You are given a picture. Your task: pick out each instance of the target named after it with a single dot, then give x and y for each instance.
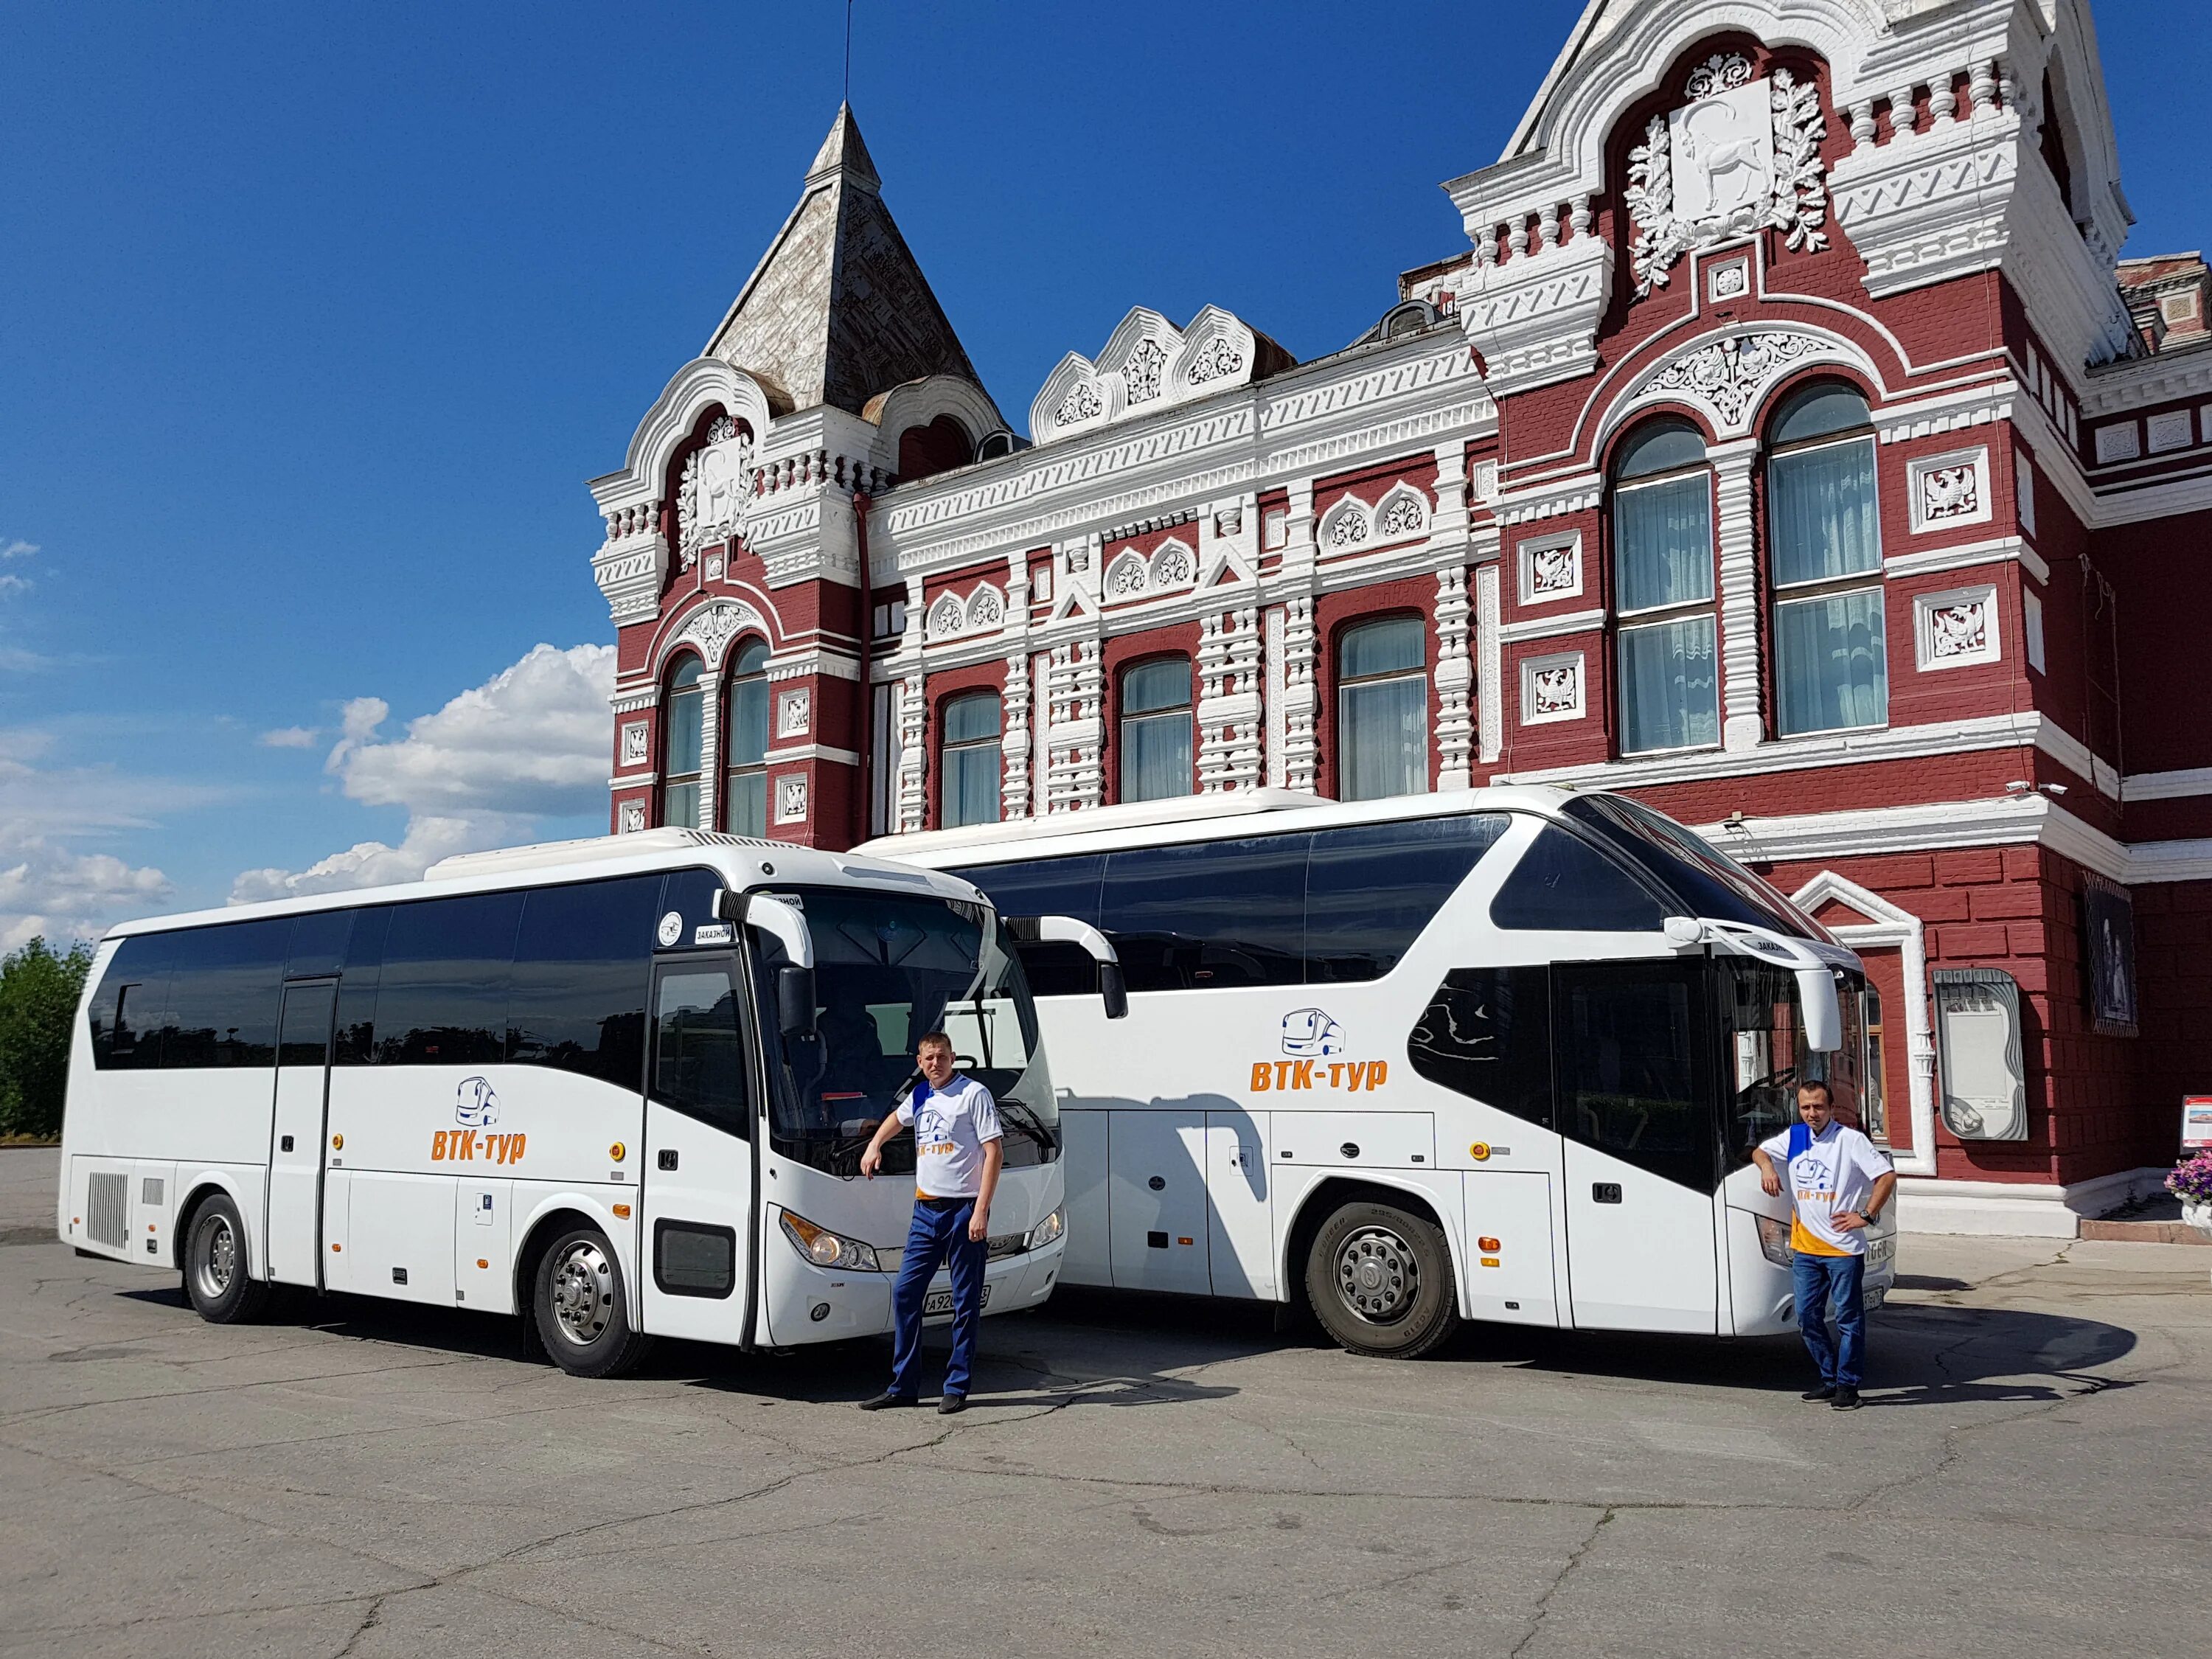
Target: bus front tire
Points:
(583, 1310)
(1380, 1281)
(216, 1278)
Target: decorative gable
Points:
(1149, 364)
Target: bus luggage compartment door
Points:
(1089, 1259)
(1240, 1232)
(1157, 1198)
(1509, 1245)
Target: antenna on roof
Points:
(849, 52)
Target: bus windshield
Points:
(1770, 1058)
(887, 969)
(1705, 882)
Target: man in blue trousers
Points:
(1838, 1184)
(956, 1171)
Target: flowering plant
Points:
(2191, 1182)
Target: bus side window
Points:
(447, 964)
(1208, 916)
(1486, 1034)
(1633, 1078)
(581, 960)
(126, 1010)
(222, 996)
(1048, 887)
(1371, 888)
(364, 967)
(1563, 885)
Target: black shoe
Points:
(1826, 1391)
(886, 1398)
(1846, 1400)
(951, 1403)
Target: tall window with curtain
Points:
(1156, 730)
(969, 791)
(682, 751)
(744, 742)
(1382, 709)
(1663, 551)
(1824, 547)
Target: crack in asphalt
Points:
(1543, 1607)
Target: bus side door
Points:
(1633, 1062)
(698, 1166)
(297, 1143)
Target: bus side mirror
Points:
(1066, 930)
(1824, 1011)
(794, 1000)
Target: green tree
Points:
(38, 991)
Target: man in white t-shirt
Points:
(956, 1172)
(1839, 1183)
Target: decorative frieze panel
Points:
(1551, 568)
(637, 743)
(1172, 568)
(1949, 490)
(1726, 379)
(1148, 364)
(712, 626)
(715, 497)
(1551, 688)
(632, 817)
(952, 617)
(790, 799)
(794, 712)
(1955, 630)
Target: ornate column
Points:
(710, 745)
(914, 754)
(1229, 748)
(1743, 723)
(1455, 679)
(1489, 664)
(1014, 785)
(1301, 696)
(1075, 684)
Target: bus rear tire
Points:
(583, 1309)
(217, 1277)
(1380, 1281)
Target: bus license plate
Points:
(940, 1302)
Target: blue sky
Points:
(317, 318)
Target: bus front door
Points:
(1633, 1065)
(698, 1165)
(293, 1222)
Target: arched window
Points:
(744, 742)
(1382, 709)
(969, 793)
(1156, 728)
(1662, 552)
(683, 714)
(1824, 548)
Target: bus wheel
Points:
(216, 1276)
(583, 1312)
(1380, 1281)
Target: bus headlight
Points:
(827, 1249)
(1047, 1232)
(1773, 1240)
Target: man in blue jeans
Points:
(1839, 1183)
(956, 1171)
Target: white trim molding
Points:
(2167, 786)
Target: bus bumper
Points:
(807, 1304)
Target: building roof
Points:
(837, 310)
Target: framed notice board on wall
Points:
(2108, 952)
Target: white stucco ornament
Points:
(1741, 155)
(715, 495)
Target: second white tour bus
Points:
(1499, 1054)
(621, 1086)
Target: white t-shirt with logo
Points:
(1836, 1171)
(951, 1127)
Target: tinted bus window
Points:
(689, 895)
(581, 960)
(1632, 1065)
(1486, 1034)
(355, 1043)
(1705, 882)
(1208, 916)
(1048, 887)
(318, 944)
(1563, 884)
(222, 995)
(441, 999)
(127, 1011)
(1371, 888)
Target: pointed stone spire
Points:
(837, 310)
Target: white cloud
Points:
(18, 549)
(12, 583)
(534, 741)
(291, 736)
(47, 885)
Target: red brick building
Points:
(1785, 445)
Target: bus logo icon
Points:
(1310, 1033)
(476, 1106)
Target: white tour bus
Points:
(1499, 1054)
(621, 1085)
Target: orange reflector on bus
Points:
(618, 1151)
(622, 1212)
(1186, 1241)
(1489, 1244)
(1479, 1152)
(1490, 1262)
(481, 1262)
(338, 1143)
(335, 1248)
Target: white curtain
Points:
(1832, 669)
(1156, 757)
(1820, 512)
(1663, 533)
(1670, 686)
(1382, 739)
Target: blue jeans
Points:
(1828, 1286)
(933, 1236)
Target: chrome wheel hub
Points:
(583, 1293)
(218, 1258)
(1376, 1276)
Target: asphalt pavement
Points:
(1143, 1477)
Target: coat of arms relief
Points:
(1741, 155)
(714, 496)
